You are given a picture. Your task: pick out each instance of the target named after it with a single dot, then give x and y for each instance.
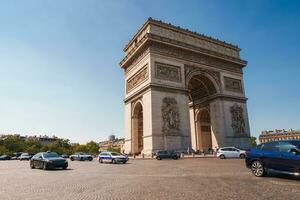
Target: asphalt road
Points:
(198, 178)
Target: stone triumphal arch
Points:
(183, 90)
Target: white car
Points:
(25, 156)
(230, 152)
(112, 157)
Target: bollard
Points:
(134, 155)
(193, 154)
(182, 155)
(143, 155)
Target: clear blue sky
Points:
(59, 70)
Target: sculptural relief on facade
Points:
(238, 121)
(232, 84)
(194, 57)
(167, 72)
(170, 115)
(137, 79)
(188, 69)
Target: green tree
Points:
(3, 150)
(253, 141)
(60, 146)
(92, 147)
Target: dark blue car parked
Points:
(277, 156)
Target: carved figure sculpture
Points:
(170, 115)
(238, 122)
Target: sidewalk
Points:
(186, 156)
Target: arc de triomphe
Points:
(183, 90)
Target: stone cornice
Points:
(200, 50)
(149, 39)
(181, 30)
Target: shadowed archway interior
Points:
(138, 143)
(200, 89)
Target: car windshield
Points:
(25, 154)
(296, 143)
(116, 154)
(50, 155)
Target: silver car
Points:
(25, 156)
(81, 156)
(230, 152)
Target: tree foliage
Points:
(253, 141)
(12, 143)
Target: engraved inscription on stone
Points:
(237, 117)
(167, 72)
(137, 79)
(170, 115)
(232, 84)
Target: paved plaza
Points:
(198, 178)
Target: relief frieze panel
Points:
(167, 72)
(234, 85)
(194, 57)
(237, 119)
(137, 79)
(170, 116)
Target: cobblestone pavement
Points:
(199, 178)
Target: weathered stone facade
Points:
(190, 96)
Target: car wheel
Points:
(124, 162)
(65, 167)
(32, 166)
(258, 169)
(158, 158)
(72, 159)
(45, 166)
(100, 160)
(90, 158)
(242, 156)
(222, 156)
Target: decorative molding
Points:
(170, 116)
(190, 70)
(167, 72)
(138, 57)
(137, 79)
(237, 120)
(177, 30)
(234, 85)
(191, 56)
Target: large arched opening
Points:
(202, 90)
(137, 122)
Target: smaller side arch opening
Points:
(203, 130)
(137, 129)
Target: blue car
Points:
(276, 156)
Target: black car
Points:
(276, 156)
(167, 154)
(48, 160)
(5, 157)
